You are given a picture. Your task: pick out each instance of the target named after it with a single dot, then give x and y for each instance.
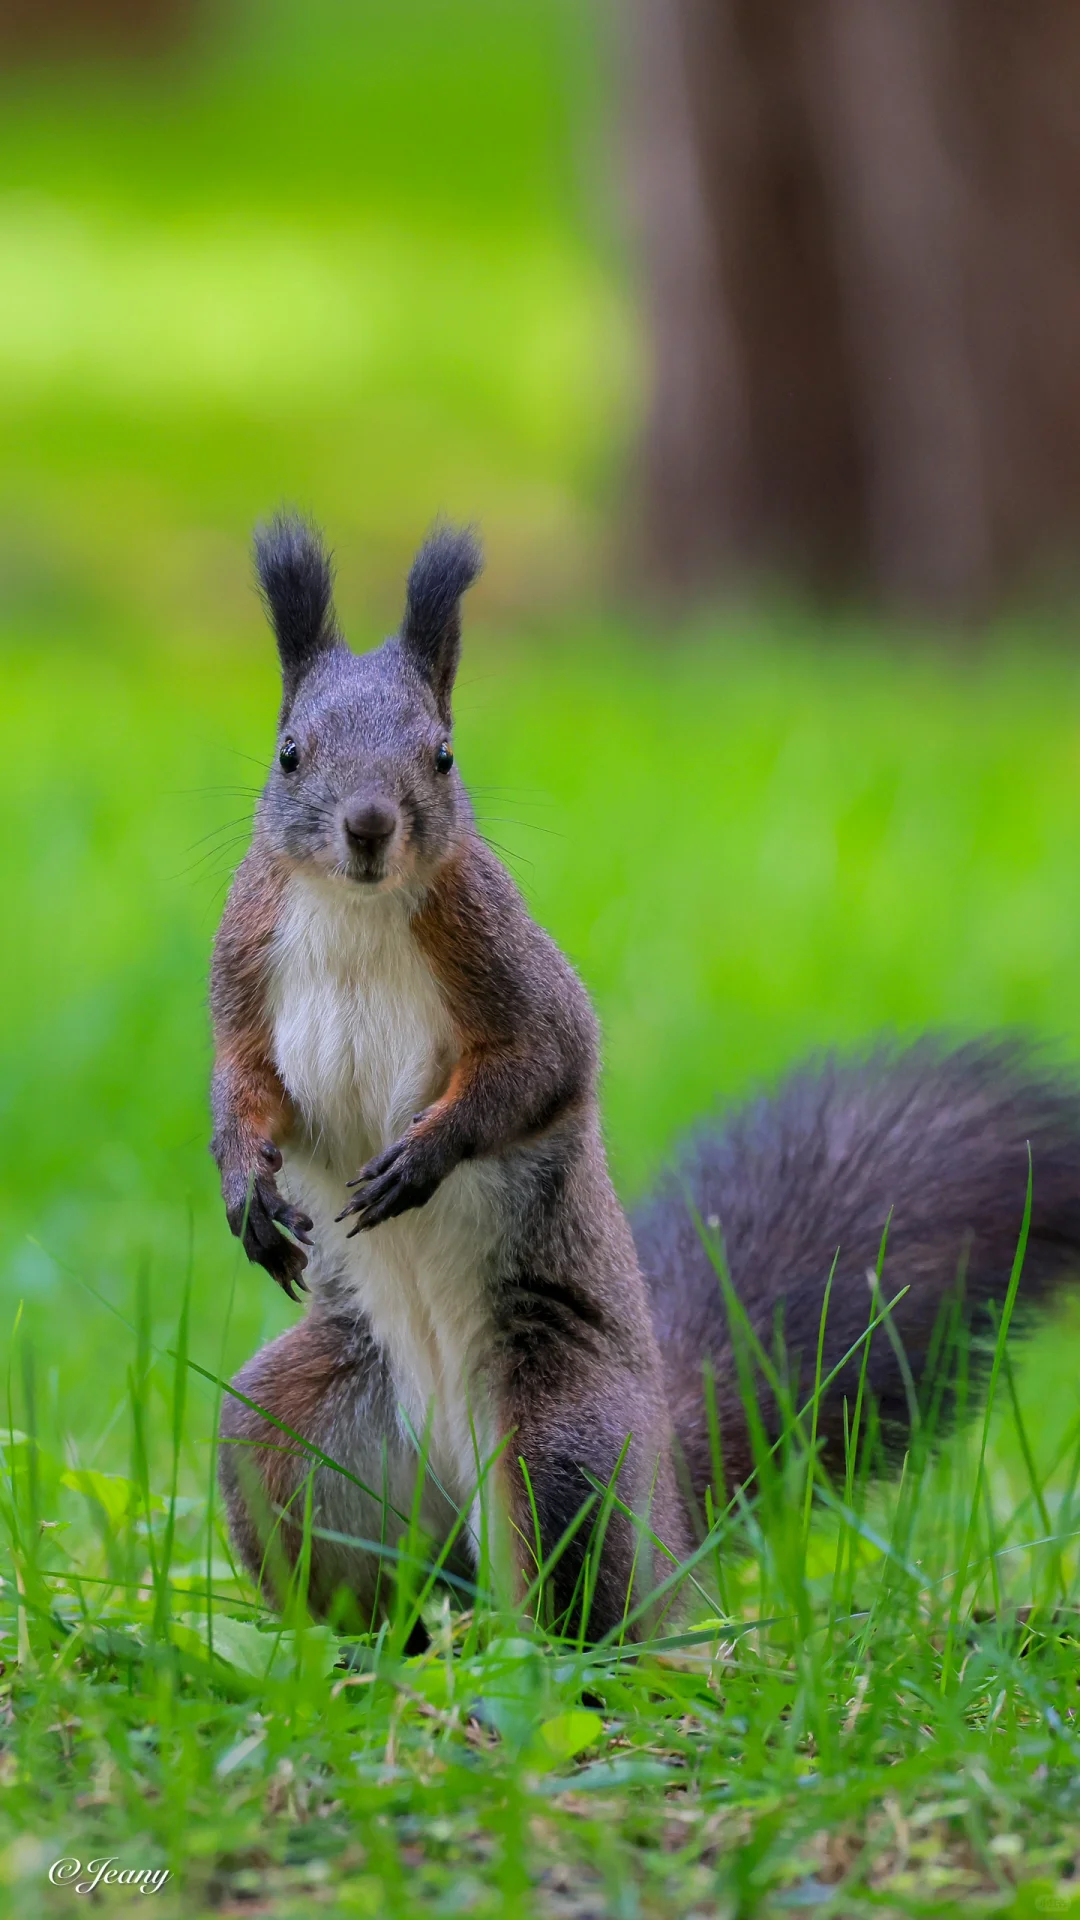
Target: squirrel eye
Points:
(289, 755)
(444, 759)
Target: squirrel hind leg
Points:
(324, 1383)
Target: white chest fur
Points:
(361, 1036)
(362, 1041)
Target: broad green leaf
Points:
(510, 1674)
(570, 1733)
(251, 1651)
(118, 1496)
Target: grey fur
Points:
(930, 1142)
(447, 564)
(296, 580)
(365, 726)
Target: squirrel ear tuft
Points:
(296, 581)
(446, 565)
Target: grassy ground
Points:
(348, 260)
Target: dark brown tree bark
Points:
(76, 29)
(861, 242)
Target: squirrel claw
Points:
(385, 1191)
(293, 1227)
(300, 1226)
(380, 1164)
(275, 1235)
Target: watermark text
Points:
(88, 1876)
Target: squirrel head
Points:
(363, 786)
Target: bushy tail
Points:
(933, 1143)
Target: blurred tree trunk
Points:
(861, 237)
(65, 29)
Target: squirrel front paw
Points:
(266, 1223)
(403, 1176)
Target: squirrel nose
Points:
(369, 822)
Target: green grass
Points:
(355, 256)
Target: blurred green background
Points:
(371, 259)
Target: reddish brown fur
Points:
(252, 1111)
(290, 1379)
(479, 944)
(298, 1379)
(579, 1368)
(251, 1095)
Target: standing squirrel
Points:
(406, 1125)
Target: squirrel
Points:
(407, 1126)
